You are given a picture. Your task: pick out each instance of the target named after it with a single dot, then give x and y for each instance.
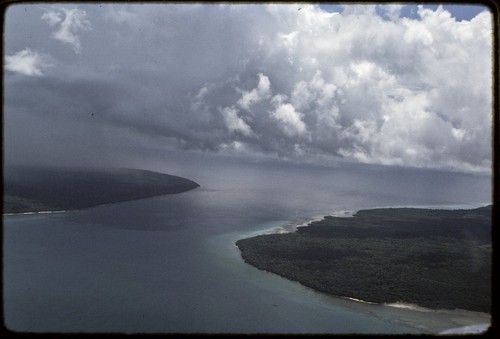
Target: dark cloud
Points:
(102, 83)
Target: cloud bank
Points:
(68, 23)
(26, 62)
(275, 80)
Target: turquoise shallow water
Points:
(169, 264)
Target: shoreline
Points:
(292, 226)
(84, 208)
(426, 320)
(432, 321)
(456, 207)
(35, 213)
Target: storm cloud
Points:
(94, 83)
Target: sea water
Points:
(169, 264)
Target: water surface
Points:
(169, 264)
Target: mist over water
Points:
(169, 264)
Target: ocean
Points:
(168, 264)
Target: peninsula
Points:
(35, 189)
(438, 259)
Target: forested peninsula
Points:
(35, 189)
(433, 258)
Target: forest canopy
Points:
(429, 257)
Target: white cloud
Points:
(359, 9)
(404, 91)
(75, 21)
(26, 62)
(392, 11)
(297, 83)
(120, 15)
(234, 123)
(289, 119)
(418, 33)
(262, 91)
(52, 18)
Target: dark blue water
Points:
(169, 264)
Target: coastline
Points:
(83, 208)
(34, 213)
(292, 226)
(431, 321)
(428, 320)
(43, 190)
(74, 209)
(77, 208)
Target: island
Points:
(433, 258)
(36, 189)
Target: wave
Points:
(471, 329)
(35, 212)
(360, 301)
(292, 226)
(408, 306)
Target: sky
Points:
(374, 84)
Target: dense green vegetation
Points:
(432, 258)
(31, 189)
